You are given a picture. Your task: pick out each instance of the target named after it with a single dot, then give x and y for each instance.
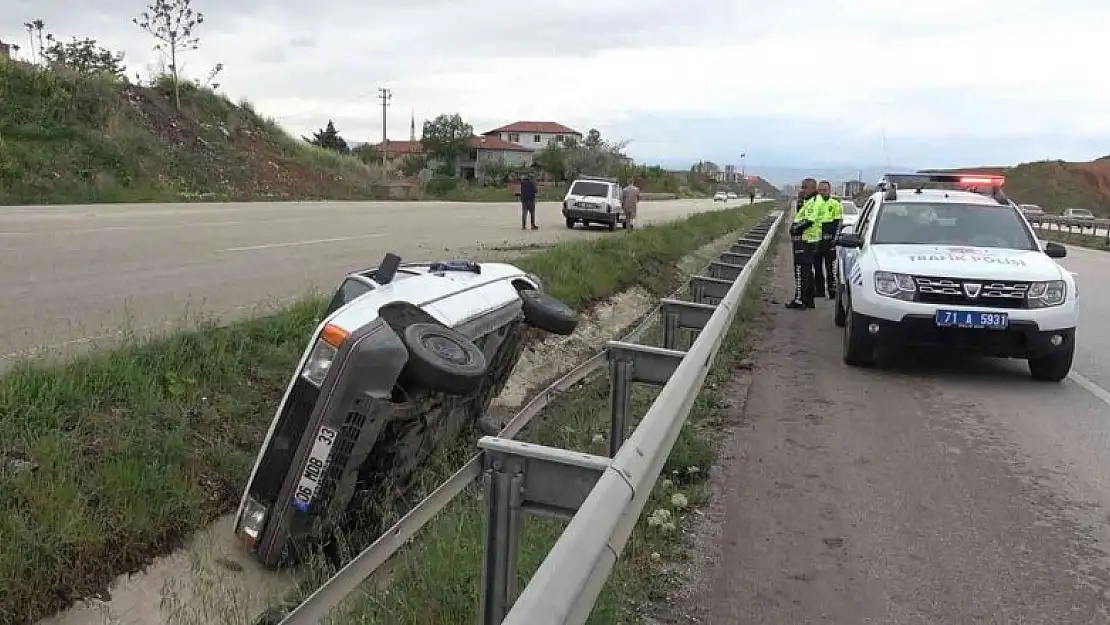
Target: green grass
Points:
(438, 579)
(138, 446)
(71, 138)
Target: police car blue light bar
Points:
(993, 181)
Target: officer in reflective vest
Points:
(831, 216)
(805, 233)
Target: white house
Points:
(533, 135)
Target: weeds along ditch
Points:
(112, 458)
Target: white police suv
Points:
(957, 268)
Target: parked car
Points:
(406, 357)
(732, 196)
(594, 200)
(1078, 213)
(720, 196)
(1031, 210)
(851, 213)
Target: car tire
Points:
(547, 313)
(839, 317)
(443, 360)
(1054, 367)
(859, 349)
(570, 222)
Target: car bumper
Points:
(586, 214)
(1021, 338)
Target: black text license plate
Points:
(314, 469)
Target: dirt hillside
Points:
(70, 138)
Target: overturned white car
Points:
(407, 356)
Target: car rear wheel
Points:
(443, 360)
(1054, 367)
(547, 313)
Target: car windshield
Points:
(973, 225)
(850, 208)
(590, 189)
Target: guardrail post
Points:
(725, 271)
(502, 482)
(678, 315)
(630, 363)
(670, 328)
(620, 402)
(708, 289)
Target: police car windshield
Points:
(972, 225)
(590, 189)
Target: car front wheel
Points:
(1054, 367)
(859, 348)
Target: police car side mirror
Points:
(849, 240)
(1055, 250)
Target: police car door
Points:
(849, 256)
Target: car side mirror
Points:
(849, 240)
(1055, 250)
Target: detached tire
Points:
(1053, 368)
(547, 313)
(444, 360)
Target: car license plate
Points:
(314, 468)
(972, 319)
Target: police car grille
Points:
(992, 293)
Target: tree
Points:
(593, 138)
(35, 30)
(172, 23)
(413, 164)
(84, 56)
(446, 138)
(329, 139)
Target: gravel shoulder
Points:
(922, 491)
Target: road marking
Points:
(268, 246)
(1091, 387)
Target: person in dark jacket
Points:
(528, 202)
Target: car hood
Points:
(966, 262)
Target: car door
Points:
(849, 256)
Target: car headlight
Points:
(323, 354)
(1045, 294)
(895, 285)
(252, 522)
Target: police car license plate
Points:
(314, 468)
(972, 319)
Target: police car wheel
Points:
(839, 317)
(443, 360)
(547, 313)
(1054, 367)
(859, 350)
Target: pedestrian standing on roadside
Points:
(630, 202)
(805, 233)
(528, 202)
(751, 197)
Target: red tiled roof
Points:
(552, 128)
(493, 143)
(400, 147)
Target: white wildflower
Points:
(678, 500)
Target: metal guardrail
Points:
(519, 477)
(1099, 227)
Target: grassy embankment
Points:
(136, 447)
(438, 579)
(70, 138)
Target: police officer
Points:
(831, 215)
(805, 233)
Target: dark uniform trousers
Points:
(824, 265)
(804, 256)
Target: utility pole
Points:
(385, 95)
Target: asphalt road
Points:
(72, 275)
(926, 490)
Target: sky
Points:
(812, 83)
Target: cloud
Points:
(946, 81)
